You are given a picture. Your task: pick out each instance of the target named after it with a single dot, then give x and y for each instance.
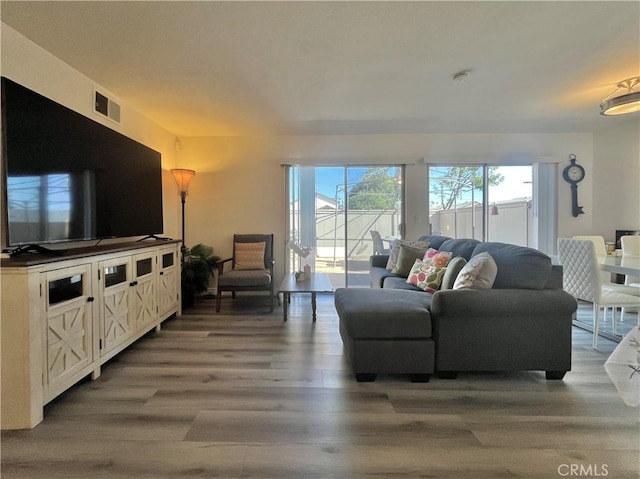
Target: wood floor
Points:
(241, 394)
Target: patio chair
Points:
(378, 245)
(581, 279)
(251, 267)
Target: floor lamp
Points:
(183, 177)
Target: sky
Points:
(517, 182)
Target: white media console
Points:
(64, 316)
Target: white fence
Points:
(510, 223)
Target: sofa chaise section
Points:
(377, 339)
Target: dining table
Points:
(621, 264)
(615, 263)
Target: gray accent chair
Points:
(235, 280)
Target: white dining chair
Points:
(631, 246)
(598, 243)
(581, 279)
(601, 250)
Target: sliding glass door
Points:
(336, 212)
(487, 202)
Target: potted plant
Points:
(198, 265)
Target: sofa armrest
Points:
(378, 260)
(478, 303)
(555, 278)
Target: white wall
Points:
(26, 63)
(616, 175)
(239, 186)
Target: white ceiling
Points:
(204, 68)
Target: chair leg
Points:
(596, 324)
(218, 298)
(271, 302)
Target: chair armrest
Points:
(220, 264)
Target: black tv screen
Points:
(69, 178)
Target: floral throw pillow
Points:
(439, 259)
(426, 276)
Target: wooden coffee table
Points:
(317, 283)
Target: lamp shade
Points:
(183, 177)
(628, 102)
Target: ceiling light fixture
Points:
(628, 102)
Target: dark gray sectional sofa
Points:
(522, 323)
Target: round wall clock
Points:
(574, 174)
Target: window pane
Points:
(509, 198)
(334, 210)
(373, 204)
(456, 201)
(330, 223)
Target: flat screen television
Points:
(69, 178)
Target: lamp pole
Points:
(183, 200)
(183, 177)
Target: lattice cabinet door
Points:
(69, 326)
(168, 279)
(146, 293)
(117, 322)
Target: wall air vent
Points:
(107, 107)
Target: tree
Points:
(459, 179)
(376, 190)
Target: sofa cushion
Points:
(395, 250)
(398, 282)
(518, 266)
(384, 314)
(460, 247)
(479, 273)
(378, 275)
(453, 269)
(254, 277)
(406, 258)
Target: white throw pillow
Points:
(479, 273)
